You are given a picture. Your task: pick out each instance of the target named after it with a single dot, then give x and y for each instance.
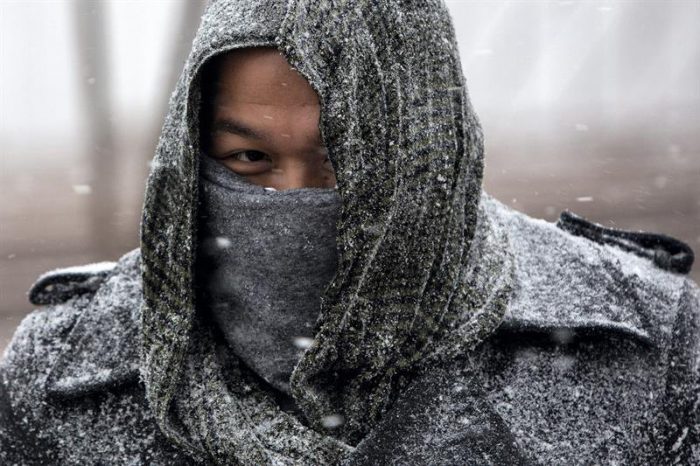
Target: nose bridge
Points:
(302, 171)
(298, 175)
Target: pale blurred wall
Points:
(590, 105)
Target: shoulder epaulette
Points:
(664, 251)
(57, 286)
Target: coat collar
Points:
(569, 285)
(102, 349)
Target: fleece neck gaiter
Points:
(265, 258)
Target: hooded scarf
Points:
(422, 275)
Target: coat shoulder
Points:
(69, 380)
(617, 357)
(46, 335)
(578, 275)
(37, 343)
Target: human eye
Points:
(247, 162)
(248, 156)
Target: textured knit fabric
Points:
(407, 152)
(454, 331)
(265, 258)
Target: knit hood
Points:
(415, 281)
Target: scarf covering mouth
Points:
(422, 274)
(264, 260)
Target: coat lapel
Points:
(570, 285)
(101, 351)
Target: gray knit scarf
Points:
(422, 274)
(265, 259)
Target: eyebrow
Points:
(229, 125)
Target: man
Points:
(447, 329)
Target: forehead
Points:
(261, 75)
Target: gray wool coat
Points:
(596, 361)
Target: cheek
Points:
(248, 168)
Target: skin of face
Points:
(262, 121)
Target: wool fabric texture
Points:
(265, 258)
(408, 155)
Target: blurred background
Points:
(588, 105)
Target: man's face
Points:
(263, 122)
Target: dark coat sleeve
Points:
(681, 439)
